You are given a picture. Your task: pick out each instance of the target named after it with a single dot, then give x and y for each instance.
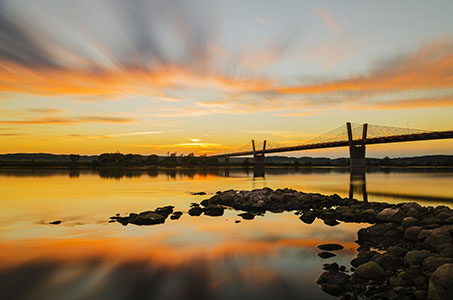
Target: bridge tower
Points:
(258, 160)
(258, 156)
(357, 152)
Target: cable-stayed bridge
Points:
(354, 136)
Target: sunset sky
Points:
(208, 76)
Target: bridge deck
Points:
(435, 135)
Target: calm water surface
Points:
(271, 257)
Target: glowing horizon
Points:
(155, 77)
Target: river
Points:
(270, 257)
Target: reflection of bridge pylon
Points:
(357, 185)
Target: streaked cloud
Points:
(75, 120)
(327, 18)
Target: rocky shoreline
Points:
(407, 252)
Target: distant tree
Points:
(386, 161)
(152, 160)
(74, 157)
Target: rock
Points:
(449, 220)
(395, 251)
(424, 234)
(370, 270)
(441, 283)
(431, 263)
(213, 210)
(390, 215)
(198, 193)
(325, 254)
(409, 221)
(247, 216)
(147, 218)
(416, 257)
(363, 257)
(331, 267)
(307, 217)
(387, 261)
(55, 222)
(412, 232)
(195, 211)
(164, 211)
(420, 281)
(396, 281)
(333, 282)
(237, 221)
(331, 222)
(330, 247)
(176, 215)
(438, 237)
(410, 274)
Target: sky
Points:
(160, 76)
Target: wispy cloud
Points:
(74, 120)
(327, 18)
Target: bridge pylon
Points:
(258, 156)
(357, 150)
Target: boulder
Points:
(147, 218)
(438, 237)
(409, 221)
(395, 215)
(441, 283)
(370, 270)
(247, 216)
(416, 257)
(331, 222)
(431, 263)
(333, 282)
(412, 232)
(308, 217)
(195, 211)
(213, 210)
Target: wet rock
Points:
(198, 193)
(331, 222)
(390, 215)
(195, 211)
(147, 218)
(412, 232)
(325, 254)
(213, 210)
(431, 263)
(164, 211)
(441, 283)
(370, 270)
(333, 282)
(307, 217)
(363, 257)
(416, 257)
(331, 267)
(55, 222)
(330, 247)
(247, 216)
(176, 215)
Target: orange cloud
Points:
(82, 119)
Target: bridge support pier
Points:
(357, 152)
(258, 160)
